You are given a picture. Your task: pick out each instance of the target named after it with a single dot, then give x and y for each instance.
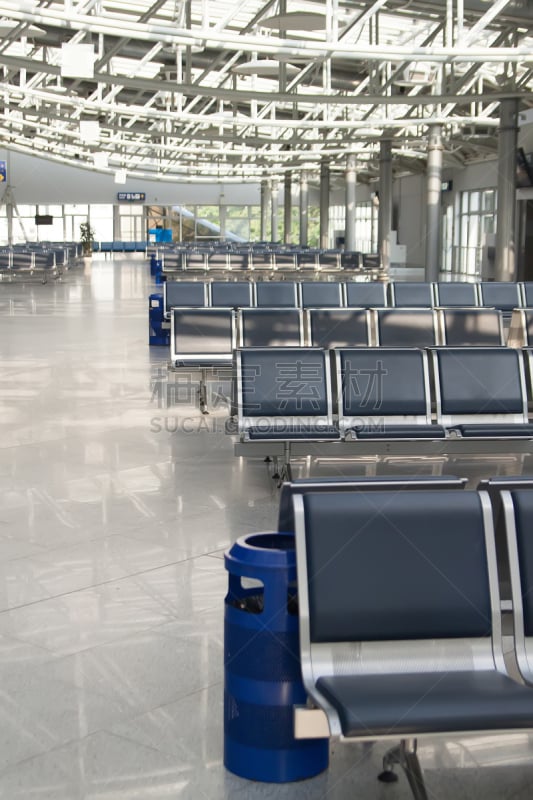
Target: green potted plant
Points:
(86, 238)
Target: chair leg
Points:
(202, 392)
(390, 759)
(405, 756)
(281, 470)
(412, 769)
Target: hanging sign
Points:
(130, 197)
(3, 172)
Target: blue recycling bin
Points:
(262, 675)
(156, 316)
(156, 268)
(158, 271)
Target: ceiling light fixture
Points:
(295, 21)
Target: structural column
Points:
(349, 225)
(265, 207)
(385, 202)
(117, 234)
(324, 205)
(222, 219)
(433, 203)
(9, 214)
(304, 204)
(287, 209)
(274, 212)
(506, 212)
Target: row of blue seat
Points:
(120, 247)
(43, 260)
(497, 294)
(210, 335)
(306, 394)
(404, 589)
(260, 260)
(355, 294)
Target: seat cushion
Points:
(479, 380)
(410, 431)
(488, 431)
(410, 704)
(294, 432)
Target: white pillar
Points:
(9, 214)
(433, 203)
(265, 203)
(385, 203)
(351, 190)
(304, 203)
(274, 212)
(287, 208)
(506, 211)
(324, 205)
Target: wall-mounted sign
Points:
(131, 197)
(446, 186)
(3, 172)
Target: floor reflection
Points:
(112, 531)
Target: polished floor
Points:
(115, 511)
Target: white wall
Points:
(36, 180)
(363, 194)
(483, 175)
(408, 197)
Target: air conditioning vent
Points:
(419, 73)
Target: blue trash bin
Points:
(158, 271)
(156, 317)
(262, 676)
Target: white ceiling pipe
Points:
(183, 173)
(202, 150)
(271, 46)
(247, 93)
(304, 101)
(286, 124)
(496, 7)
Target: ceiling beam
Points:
(274, 46)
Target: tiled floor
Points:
(114, 515)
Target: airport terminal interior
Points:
(359, 159)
